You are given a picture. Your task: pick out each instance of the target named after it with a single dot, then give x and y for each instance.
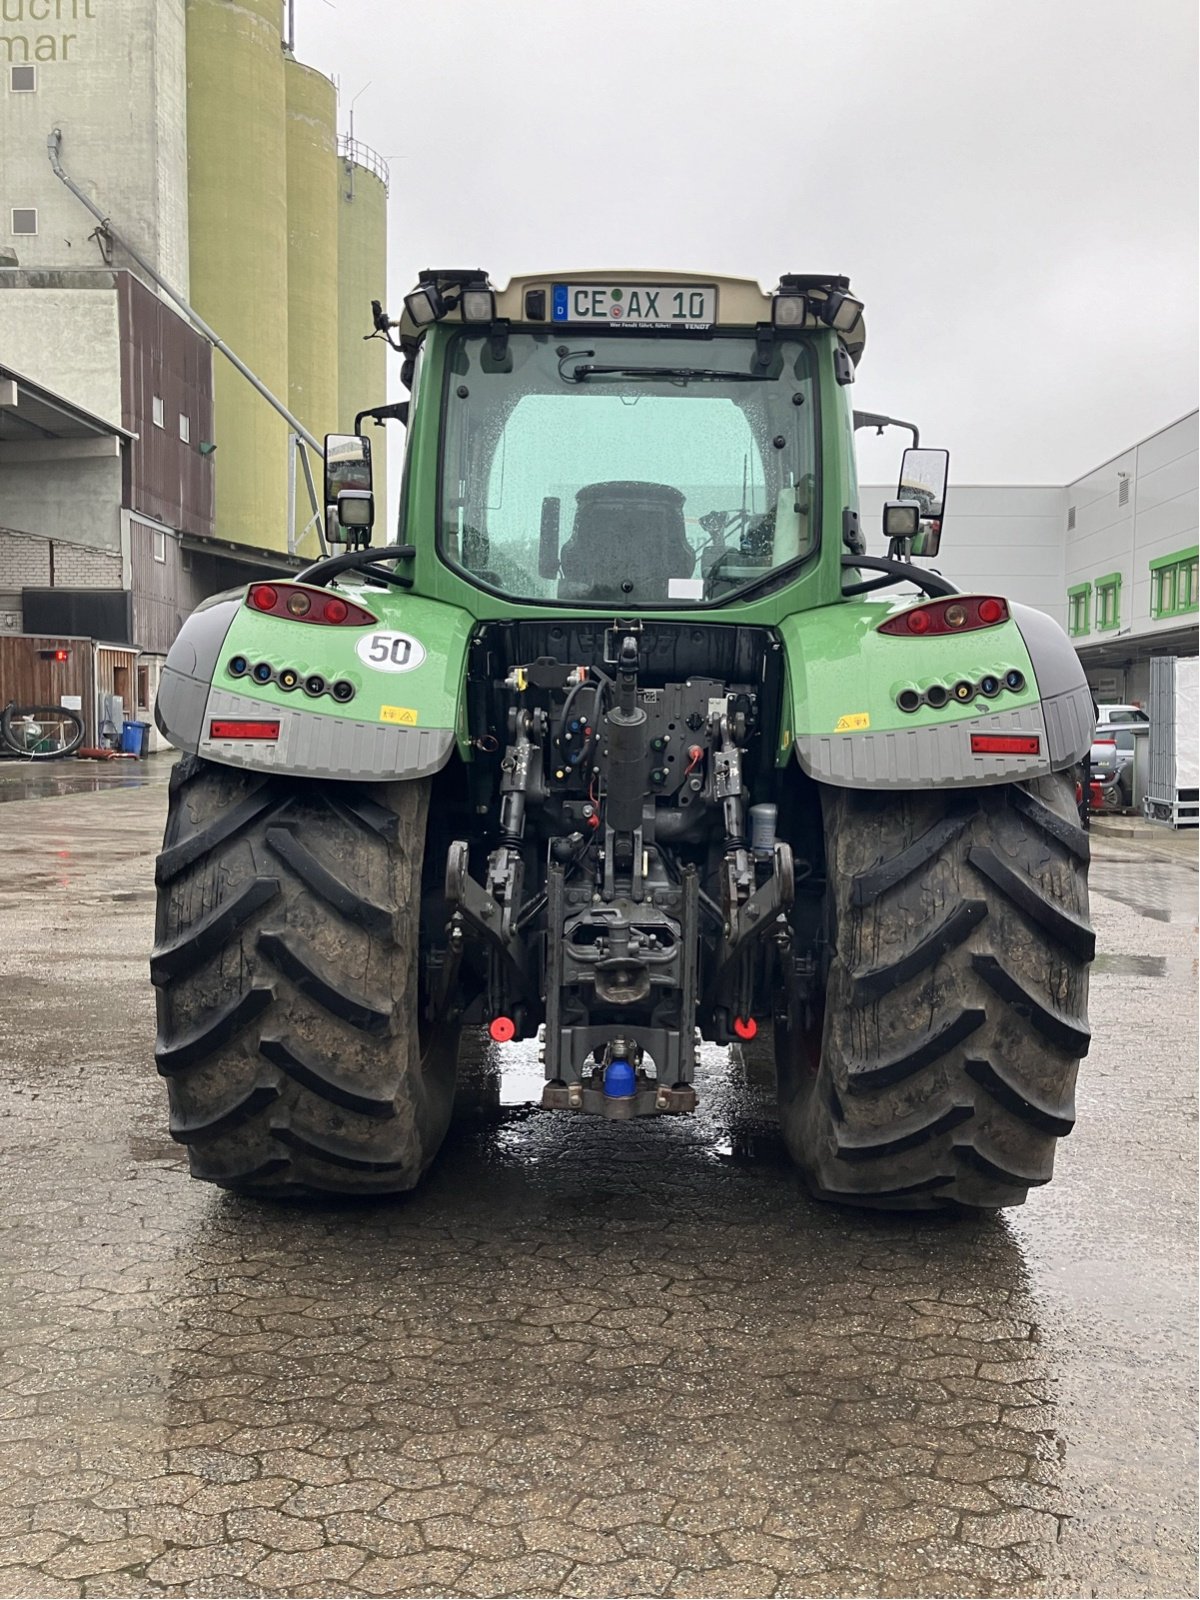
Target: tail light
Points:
(298, 603)
(959, 615)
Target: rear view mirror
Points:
(924, 475)
(349, 502)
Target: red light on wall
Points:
(1005, 744)
(243, 730)
(54, 655)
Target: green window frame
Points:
(1175, 583)
(1079, 610)
(1108, 602)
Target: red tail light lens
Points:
(1005, 744)
(300, 604)
(959, 615)
(243, 730)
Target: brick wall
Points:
(77, 567)
(30, 562)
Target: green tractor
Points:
(623, 745)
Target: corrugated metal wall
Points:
(164, 358)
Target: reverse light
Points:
(300, 604)
(243, 730)
(1005, 744)
(959, 615)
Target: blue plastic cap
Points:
(620, 1080)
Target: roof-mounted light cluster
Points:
(828, 299)
(439, 293)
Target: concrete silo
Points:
(362, 277)
(312, 269)
(237, 196)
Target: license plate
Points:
(642, 305)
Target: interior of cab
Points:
(643, 486)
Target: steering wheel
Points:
(931, 583)
(321, 572)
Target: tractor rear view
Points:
(626, 743)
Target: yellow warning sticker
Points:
(403, 714)
(853, 722)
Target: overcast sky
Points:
(1011, 185)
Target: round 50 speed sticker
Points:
(390, 651)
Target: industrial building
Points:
(214, 154)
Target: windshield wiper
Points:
(588, 369)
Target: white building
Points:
(1111, 556)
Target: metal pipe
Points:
(53, 143)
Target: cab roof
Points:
(740, 302)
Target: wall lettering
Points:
(19, 49)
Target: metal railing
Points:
(351, 149)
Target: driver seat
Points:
(625, 534)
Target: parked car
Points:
(1107, 716)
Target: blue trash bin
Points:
(135, 738)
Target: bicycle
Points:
(40, 733)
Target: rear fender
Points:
(848, 729)
(406, 671)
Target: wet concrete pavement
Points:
(584, 1359)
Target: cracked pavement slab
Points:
(586, 1358)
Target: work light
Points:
(788, 310)
(478, 305)
(425, 305)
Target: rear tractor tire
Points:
(287, 970)
(955, 1012)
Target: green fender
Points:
(845, 677)
(406, 671)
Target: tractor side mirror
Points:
(349, 502)
(548, 557)
(924, 475)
